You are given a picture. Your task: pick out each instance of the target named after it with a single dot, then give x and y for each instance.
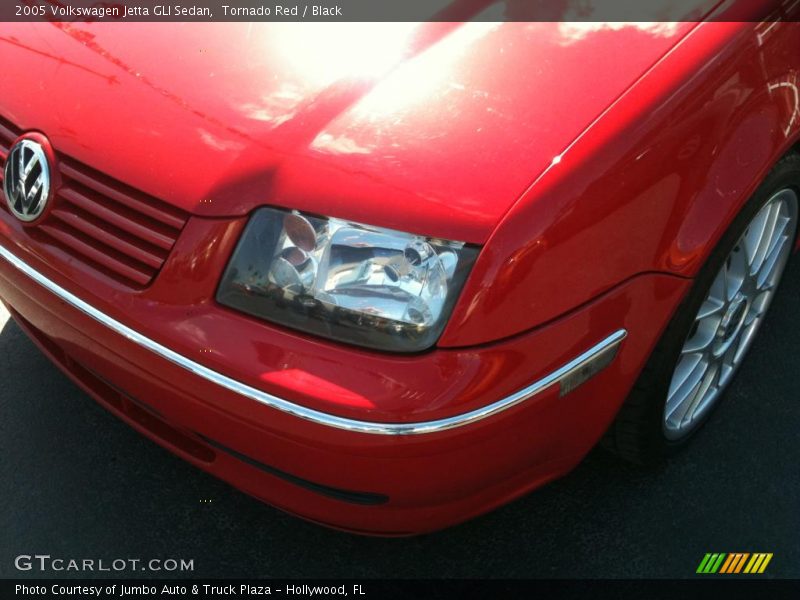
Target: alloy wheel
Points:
(731, 314)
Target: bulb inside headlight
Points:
(355, 283)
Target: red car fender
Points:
(651, 186)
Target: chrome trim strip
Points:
(315, 416)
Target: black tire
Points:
(637, 433)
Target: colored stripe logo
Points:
(734, 563)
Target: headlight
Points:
(355, 283)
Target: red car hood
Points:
(435, 129)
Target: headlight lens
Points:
(355, 283)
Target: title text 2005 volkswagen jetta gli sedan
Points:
(387, 277)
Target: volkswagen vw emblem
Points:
(26, 180)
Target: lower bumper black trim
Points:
(365, 498)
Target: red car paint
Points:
(596, 164)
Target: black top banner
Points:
(399, 10)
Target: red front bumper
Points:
(387, 484)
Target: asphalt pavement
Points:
(77, 483)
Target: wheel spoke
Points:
(780, 229)
(703, 336)
(684, 396)
(688, 365)
(711, 306)
(753, 316)
(736, 272)
(771, 212)
(744, 342)
(702, 397)
(684, 402)
(769, 264)
(727, 364)
(684, 412)
(752, 236)
(717, 291)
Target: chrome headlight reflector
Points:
(355, 283)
